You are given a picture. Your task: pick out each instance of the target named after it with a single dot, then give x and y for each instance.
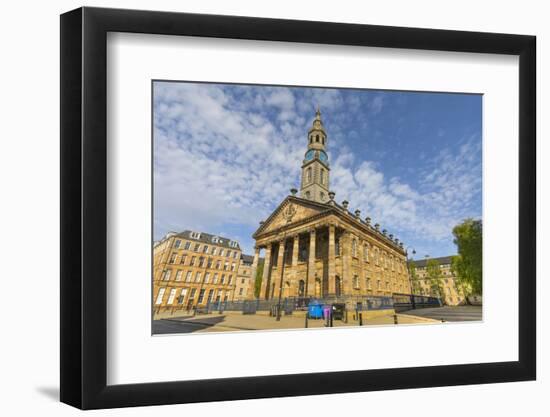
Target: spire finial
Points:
(318, 112)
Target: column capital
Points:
(312, 231)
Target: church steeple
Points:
(315, 167)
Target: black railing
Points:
(399, 302)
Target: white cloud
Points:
(223, 157)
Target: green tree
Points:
(435, 278)
(468, 265)
(258, 278)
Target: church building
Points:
(316, 247)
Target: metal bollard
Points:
(331, 319)
(360, 319)
(306, 321)
(395, 319)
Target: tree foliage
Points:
(468, 265)
(434, 277)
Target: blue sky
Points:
(226, 155)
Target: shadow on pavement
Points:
(187, 325)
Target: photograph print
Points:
(295, 207)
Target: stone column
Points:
(346, 284)
(264, 291)
(331, 259)
(361, 269)
(295, 286)
(310, 284)
(279, 284)
(253, 270)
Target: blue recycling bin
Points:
(315, 310)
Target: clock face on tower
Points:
(321, 155)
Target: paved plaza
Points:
(239, 322)
(449, 313)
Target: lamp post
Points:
(408, 269)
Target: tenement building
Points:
(444, 284)
(317, 247)
(244, 286)
(192, 268)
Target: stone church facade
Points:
(315, 247)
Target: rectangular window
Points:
(241, 291)
(235, 255)
(201, 261)
(207, 277)
(209, 263)
(218, 264)
(213, 250)
(177, 244)
(355, 282)
(160, 296)
(210, 296)
(226, 266)
(215, 280)
(197, 247)
(201, 296)
(369, 284)
(178, 275)
(230, 280)
(183, 259)
(173, 258)
(366, 253)
(187, 245)
(166, 276)
(205, 248)
(222, 281)
(198, 277)
(378, 285)
(233, 266)
(228, 254)
(181, 298)
(221, 252)
(192, 263)
(188, 276)
(193, 293)
(171, 296)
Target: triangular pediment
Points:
(291, 210)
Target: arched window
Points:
(338, 286)
(317, 138)
(308, 195)
(322, 196)
(311, 139)
(309, 174)
(301, 288)
(322, 176)
(323, 140)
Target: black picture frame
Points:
(84, 207)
